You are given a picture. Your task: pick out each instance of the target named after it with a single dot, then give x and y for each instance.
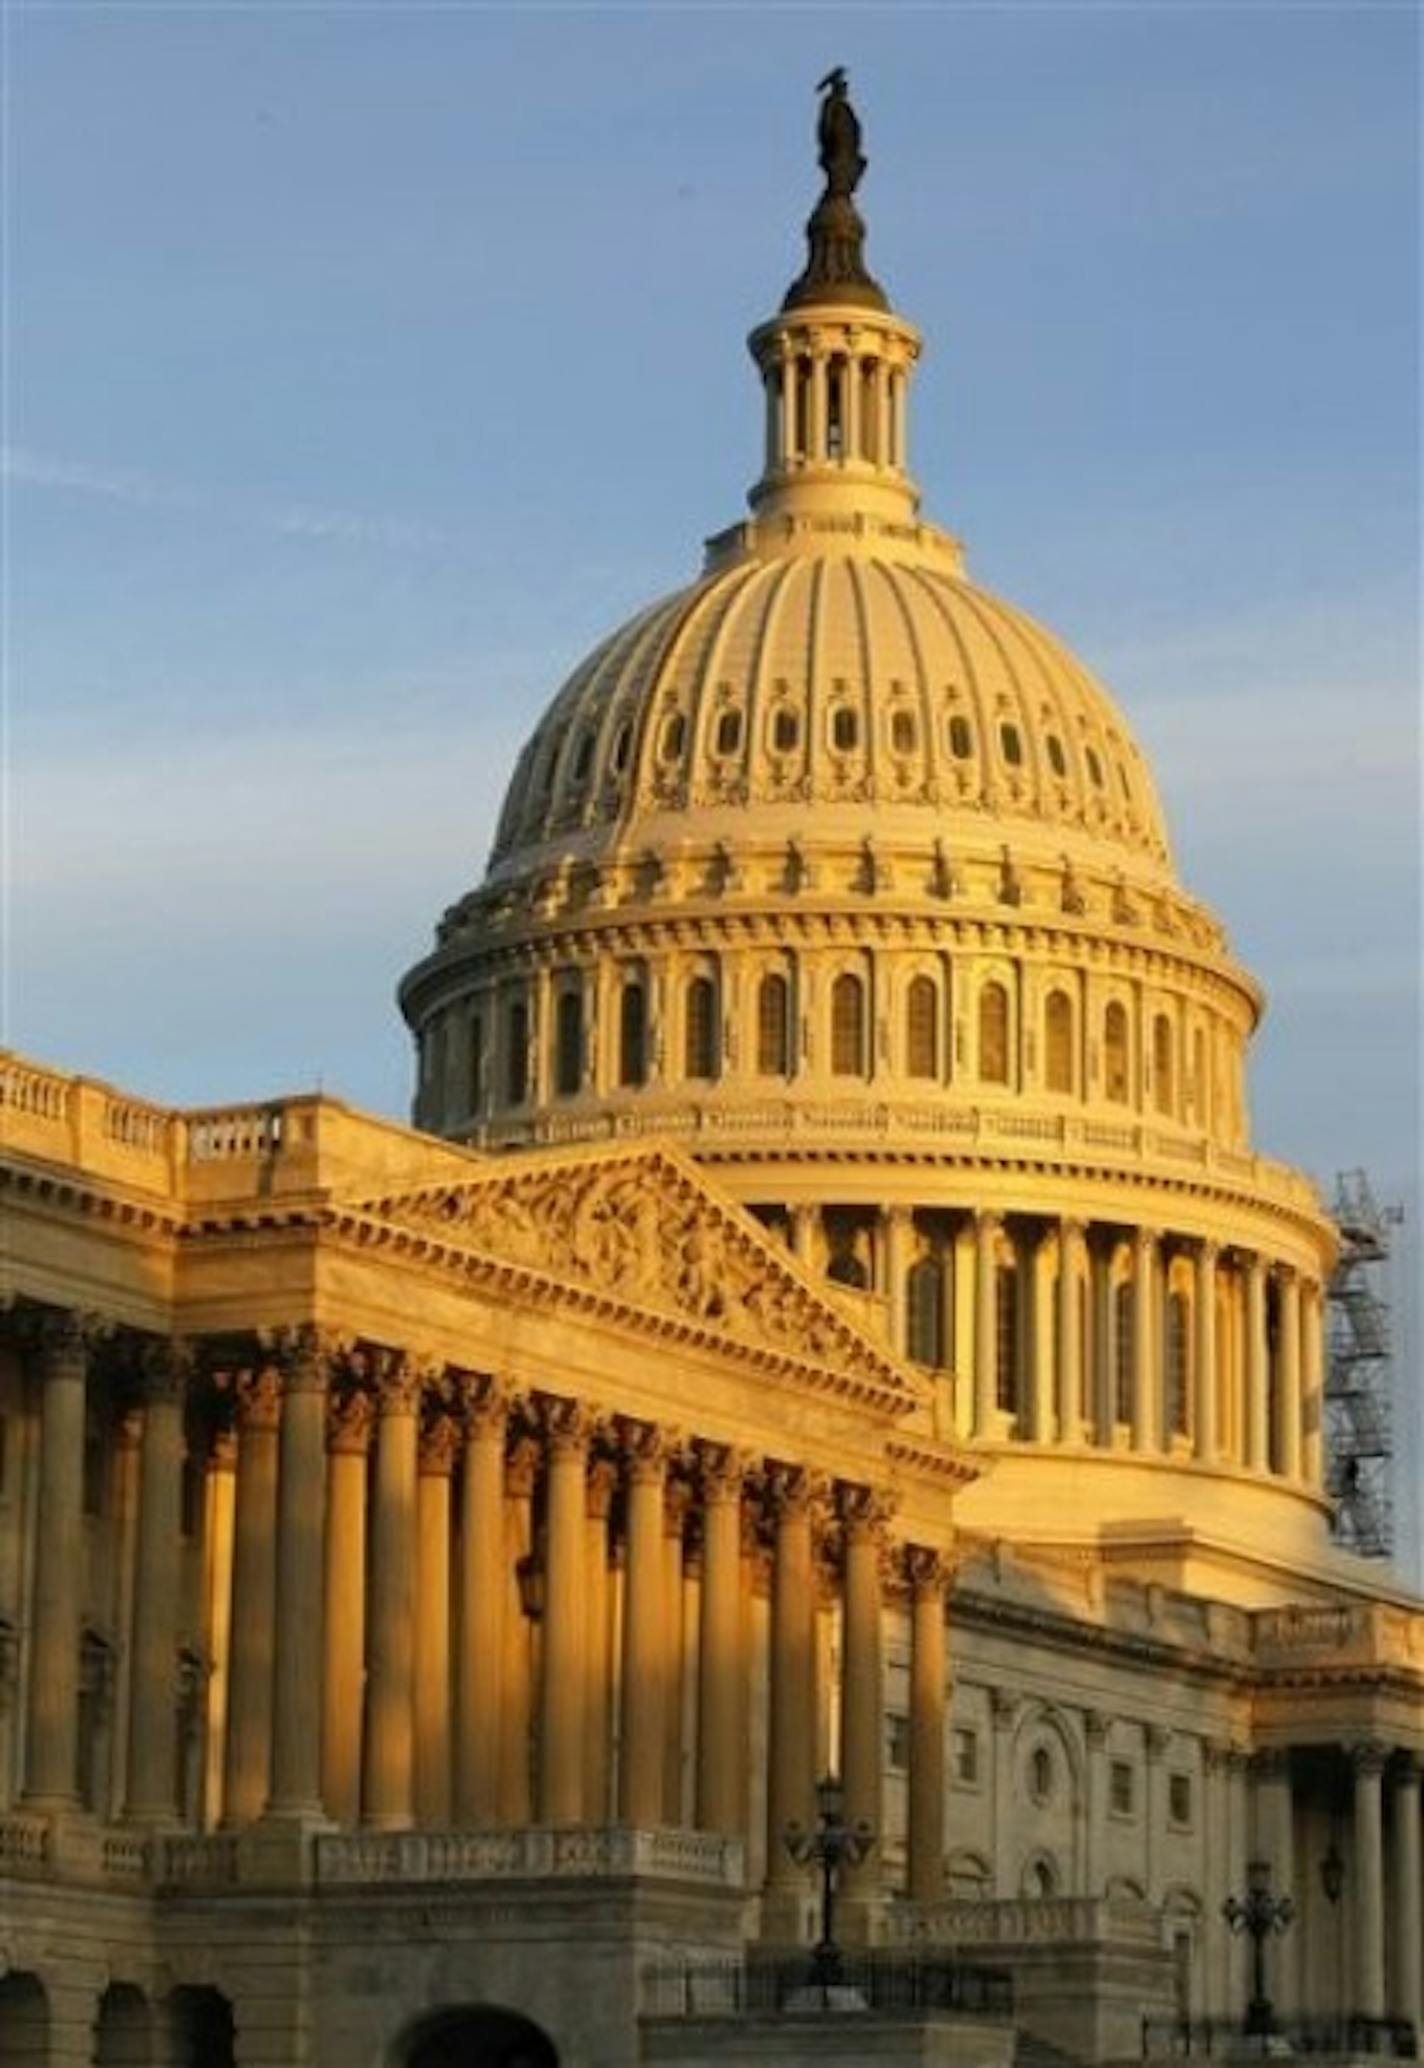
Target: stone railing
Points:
(24, 1845)
(1042, 1921)
(533, 1853)
(1344, 1633)
(198, 1862)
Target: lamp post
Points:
(832, 1845)
(1260, 1914)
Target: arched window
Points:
(516, 1053)
(902, 731)
(845, 729)
(633, 1033)
(700, 1044)
(1056, 759)
(774, 1026)
(1162, 1062)
(1058, 1042)
(1115, 1052)
(785, 730)
(1040, 1774)
(961, 738)
(1006, 1329)
(1176, 1363)
(1124, 1341)
(729, 732)
(922, 1028)
(568, 1045)
(924, 1303)
(848, 1027)
(674, 734)
(477, 1063)
(994, 1034)
(1012, 745)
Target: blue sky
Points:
(366, 363)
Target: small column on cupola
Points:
(836, 362)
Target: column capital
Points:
(648, 1449)
(602, 1482)
(723, 1471)
(988, 1223)
(793, 1490)
(1096, 1726)
(257, 1397)
(1208, 1251)
(350, 1420)
(1145, 1239)
(1004, 1706)
(1271, 1763)
(1408, 1769)
(399, 1380)
(521, 1467)
(486, 1403)
(927, 1572)
(1368, 1755)
(1072, 1228)
(166, 1367)
(568, 1426)
(677, 1499)
(60, 1337)
(304, 1354)
(1157, 1737)
(439, 1446)
(866, 1511)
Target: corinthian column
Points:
(640, 1778)
(676, 1501)
(1146, 1335)
(865, 1513)
(51, 1743)
(602, 1478)
(1312, 1378)
(928, 1575)
(480, 1641)
(301, 1502)
(1070, 1331)
(350, 1418)
(439, 1447)
(151, 1796)
(517, 1667)
(791, 1753)
(1258, 1409)
(1368, 1760)
(567, 1428)
(1289, 1389)
(390, 1690)
(987, 1229)
(1204, 1354)
(254, 1598)
(722, 1664)
(1409, 1898)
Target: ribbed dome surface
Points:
(880, 684)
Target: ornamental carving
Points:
(486, 1403)
(439, 1445)
(927, 1572)
(166, 1367)
(258, 1396)
(568, 1426)
(350, 1420)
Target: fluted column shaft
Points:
(597, 1659)
(1289, 1460)
(350, 1418)
(986, 1323)
(791, 1753)
(1275, 1842)
(151, 1793)
(1368, 1761)
(51, 1744)
(1409, 1897)
(675, 1505)
(1204, 1354)
(1070, 1333)
(480, 1639)
(722, 1667)
(254, 1599)
(439, 1446)
(862, 1676)
(301, 1502)
(1146, 1330)
(516, 1797)
(1104, 1374)
(561, 1690)
(1258, 1407)
(644, 1692)
(1312, 1384)
(390, 1706)
(928, 1695)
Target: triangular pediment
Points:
(642, 1227)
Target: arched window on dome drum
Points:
(516, 1053)
(903, 731)
(1056, 759)
(1058, 1042)
(924, 1309)
(847, 1027)
(568, 1045)
(633, 1033)
(922, 1028)
(1006, 1332)
(993, 1034)
(1162, 1074)
(1115, 1053)
(1124, 1339)
(1176, 1365)
(1012, 745)
(774, 1026)
(785, 730)
(845, 729)
(869, 414)
(729, 732)
(674, 734)
(835, 409)
(700, 1029)
(961, 738)
(583, 756)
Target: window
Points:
(1058, 1042)
(903, 731)
(583, 757)
(847, 1027)
(700, 1044)
(516, 1053)
(633, 1033)
(845, 729)
(1040, 1775)
(1042, 1879)
(774, 1026)
(966, 1758)
(1179, 1798)
(897, 1742)
(1012, 745)
(785, 731)
(922, 1028)
(1115, 1053)
(477, 1063)
(1199, 1084)
(1095, 767)
(1162, 1062)
(1126, 785)
(1175, 1365)
(1124, 1338)
(1057, 761)
(674, 733)
(961, 738)
(568, 1045)
(994, 1034)
(925, 1311)
(622, 742)
(1006, 1332)
(1122, 1788)
(729, 732)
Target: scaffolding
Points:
(1359, 1421)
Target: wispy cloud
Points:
(146, 491)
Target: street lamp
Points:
(832, 1845)
(1259, 1913)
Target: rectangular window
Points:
(897, 1743)
(1179, 1798)
(966, 1758)
(1122, 1788)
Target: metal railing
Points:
(782, 1983)
(1348, 2032)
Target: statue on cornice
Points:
(838, 136)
